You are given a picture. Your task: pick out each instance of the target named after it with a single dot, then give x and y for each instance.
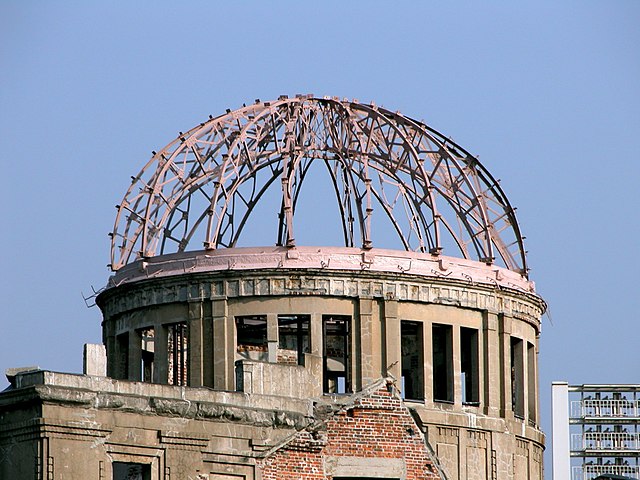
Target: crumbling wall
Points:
(374, 436)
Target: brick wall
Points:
(375, 432)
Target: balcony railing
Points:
(605, 408)
(605, 441)
(588, 472)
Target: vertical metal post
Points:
(560, 435)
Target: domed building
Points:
(377, 323)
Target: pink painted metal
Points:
(340, 259)
(206, 183)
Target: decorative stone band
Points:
(325, 258)
(346, 272)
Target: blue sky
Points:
(546, 93)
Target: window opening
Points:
(131, 471)
(531, 380)
(412, 348)
(147, 357)
(177, 347)
(469, 371)
(517, 377)
(251, 334)
(293, 338)
(336, 345)
(442, 363)
(123, 356)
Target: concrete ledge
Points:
(164, 400)
(325, 258)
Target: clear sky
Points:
(546, 93)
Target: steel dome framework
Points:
(206, 183)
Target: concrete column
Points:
(207, 345)
(560, 435)
(94, 360)
(135, 356)
(161, 355)
(195, 355)
(427, 335)
(272, 337)
(316, 339)
(491, 365)
(504, 329)
(223, 356)
(536, 382)
(367, 345)
(392, 364)
(457, 364)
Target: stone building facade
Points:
(294, 362)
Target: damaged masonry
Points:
(294, 361)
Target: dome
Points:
(388, 173)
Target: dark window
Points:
(517, 377)
(147, 337)
(336, 347)
(412, 348)
(131, 471)
(469, 365)
(251, 332)
(293, 338)
(531, 377)
(442, 363)
(122, 364)
(177, 348)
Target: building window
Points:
(412, 348)
(531, 380)
(442, 363)
(131, 471)
(122, 358)
(517, 377)
(469, 371)
(177, 348)
(336, 345)
(251, 334)
(147, 336)
(293, 338)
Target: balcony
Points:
(605, 442)
(588, 472)
(597, 408)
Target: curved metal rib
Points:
(208, 180)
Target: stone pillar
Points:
(94, 360)
(223, 348)
(427, 335)
(367, 351)
(161, 354)
(534, 397)
(393, 359)
(272, 337)
(456, 364)
(316, 334)
(195, 377)
(491, 368)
